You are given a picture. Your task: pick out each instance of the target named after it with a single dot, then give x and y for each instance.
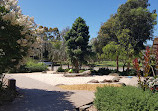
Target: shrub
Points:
(114, 71)
(130, 72)
(21, 69)
(60, 69)
(34, 66)
(103, 71)
(94, 72)
(66, 70)
(123, 98)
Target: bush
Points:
(60, 69)
(131, 72)
(123, 98)
(66, 70)
(34, 66)
(104, 71)
(114, 71)
(94, 72)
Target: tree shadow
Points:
(40, 100)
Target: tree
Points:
(112, 52)
(17, 35)
(130, 28)
(77, 43)
(134, 16)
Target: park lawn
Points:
(111, 64)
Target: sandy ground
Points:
(56, 79)
(39, 92)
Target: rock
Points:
(88, 72)
(72, 75)
(44, 71)
(113, 74)
(115, 79)
(93, 81)
(54, 72)
(83, 108)
(92, 108)
(104, 81)
(59, 84)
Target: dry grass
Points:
(89, 87)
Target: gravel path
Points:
(39, 96)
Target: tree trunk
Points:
(52, 66)
(76, 67)
(117, 63)
(68, 66)
(128, 66)
(123, 67)
(60, 64)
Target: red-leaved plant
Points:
(146, 69)
(137, 68)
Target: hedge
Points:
(125, 99)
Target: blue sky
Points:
(62, 13)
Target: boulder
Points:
(59, 84)
(115, 79)
(104, 81)
(93, 81)
(44, 71)
(113, 74)
(72, 75)
(88, 72)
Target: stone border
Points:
(84, 107)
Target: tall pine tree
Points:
(77, 43)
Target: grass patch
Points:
(89, 87)
(111, 64)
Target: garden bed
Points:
(89, 87)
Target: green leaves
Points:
(77, 43)
(125, 99)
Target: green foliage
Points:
(138, 20)
(13, 51)
(60, 69)
(130, 72)
(77, 43)
(109, 63)
(125, 99)
(34, 66)
(104, 71)
(111, 50)
(125, 33)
